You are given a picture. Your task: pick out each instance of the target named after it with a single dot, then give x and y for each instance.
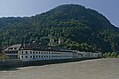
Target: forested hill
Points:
(80, 28)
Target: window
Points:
(15, 48)
(26, 56)
(33, 52)
(39, 56)
(30, 56)
(10, 49)
(15, 52)
(21, 56)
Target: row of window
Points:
(26, 52)
(12, 48)
(11, 52)
(35, 56)
(42, 56)
(12, 56)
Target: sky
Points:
(21, 8)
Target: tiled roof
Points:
(36, 47)
(13, 47)
(39, 47)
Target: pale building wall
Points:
(31, 55)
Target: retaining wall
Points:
(6, 64)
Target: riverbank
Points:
(8, 64)
(89, 69)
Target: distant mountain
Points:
(80, 28)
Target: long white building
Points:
(43, 53)
(34, 52)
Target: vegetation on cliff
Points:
(81, 28)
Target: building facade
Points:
(31, 55)
(12, 51)
(34, 52)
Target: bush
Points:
(110, 55)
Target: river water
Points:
(89, 69)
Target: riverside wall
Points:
(7, 64)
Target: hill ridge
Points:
(81, 28)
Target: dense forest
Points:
(80, 28)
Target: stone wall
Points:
(7, 64)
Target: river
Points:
(89, 69)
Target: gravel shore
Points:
(89, 69)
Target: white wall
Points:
(43, 55)
(53, 55)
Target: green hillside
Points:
(80, 28)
